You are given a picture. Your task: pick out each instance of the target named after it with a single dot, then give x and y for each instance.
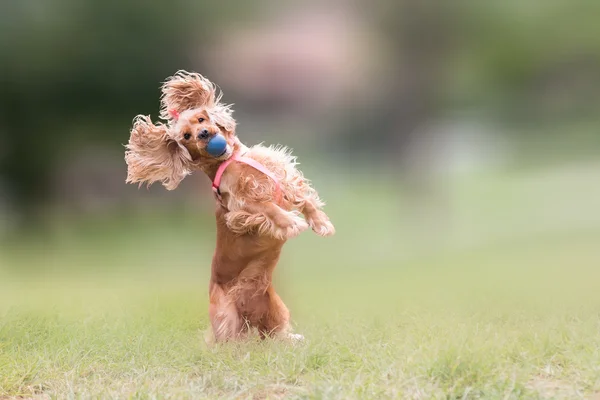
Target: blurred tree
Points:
(71, 68)
(503, 58)
(510, 52)
(419, 37)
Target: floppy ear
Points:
(221, 114)
(186, 91)
(152, 155)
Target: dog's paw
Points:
(209, 338)
(321, 225)
(289, 337)
(324, 229)
(289, 227)
(294, 339)
(297, 226)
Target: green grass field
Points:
(492, 291)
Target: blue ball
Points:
(216, 146)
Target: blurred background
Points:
(429, 127)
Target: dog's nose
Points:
(203, 134)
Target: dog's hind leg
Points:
(225, 319)
(276, 322)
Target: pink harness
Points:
(248, 161)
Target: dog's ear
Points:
(152, 155)
(221, 114)
(188, 90)
(185, 91)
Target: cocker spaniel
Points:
(262, 200)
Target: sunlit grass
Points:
(497, 299)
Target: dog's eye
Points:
(187, 136)
(201, 120)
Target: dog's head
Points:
(203, 136)
(200, 132)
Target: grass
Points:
(490, 292)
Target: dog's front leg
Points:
(316, 218)
(266, 219)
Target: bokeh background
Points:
(456, 143)
(429, 127)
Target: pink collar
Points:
(246, 160)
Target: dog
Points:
(262, 200)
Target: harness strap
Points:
(248, 161)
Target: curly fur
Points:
(279, 160)
(188, 90)
(152, 155)
(253, 221)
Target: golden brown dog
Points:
(256, 213)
